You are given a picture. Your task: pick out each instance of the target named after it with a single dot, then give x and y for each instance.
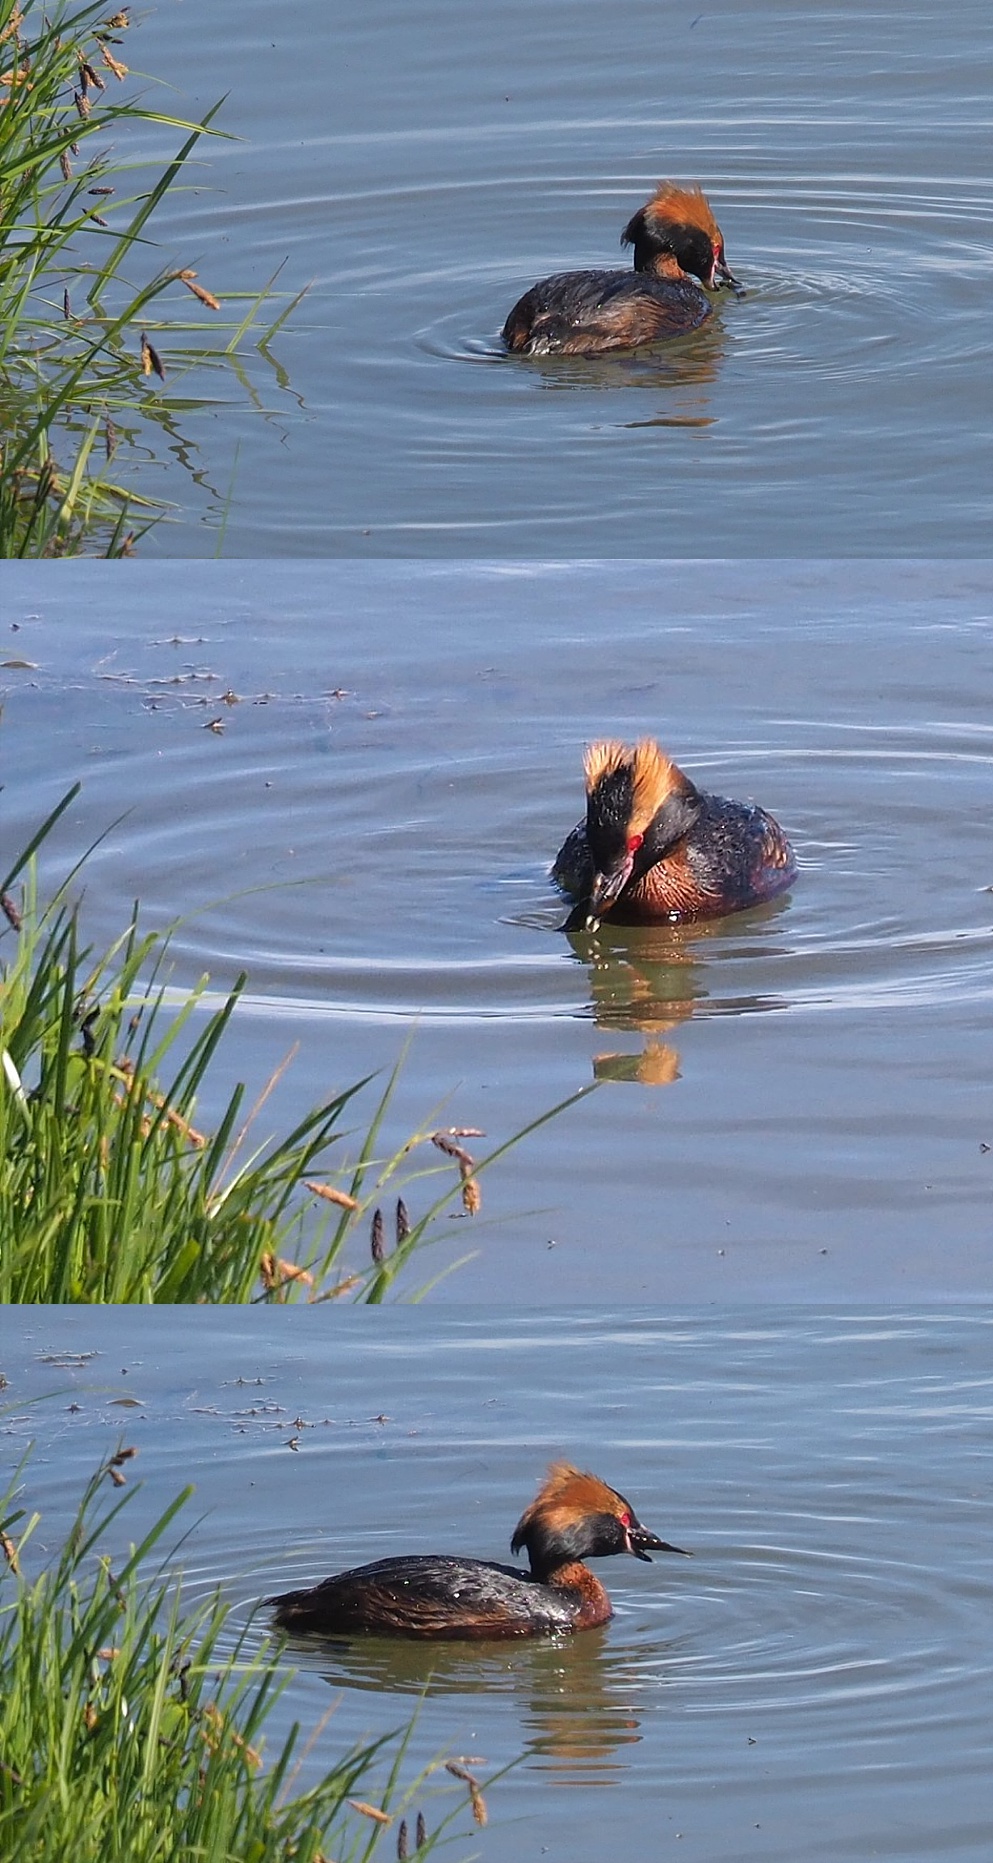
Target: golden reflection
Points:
(651, 978)
(656, 1066)
(570, 1710)
(645, 978)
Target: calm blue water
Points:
(368, 832)
(415, 170)
(813, 1682)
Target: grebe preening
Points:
(655, 849)
(676, 242)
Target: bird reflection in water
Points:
(643, 979)
(650, 979)
(576, 1716)
(682, 374)
(657, 856)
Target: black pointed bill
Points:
(721, 275)
(641, 1543)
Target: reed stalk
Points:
(135, 1724)
(99, 343)
(111, 1187)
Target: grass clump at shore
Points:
(134, 1724)
(94, 338)
(109, 1190)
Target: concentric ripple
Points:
(351, 788)
(828, 1640)
(835, 409)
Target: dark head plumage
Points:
(638, 805)
(576, 1516)
(677, 223)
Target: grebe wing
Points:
(741, 851)
(572, 868)
(581, 313)
(426, 1595)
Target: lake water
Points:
(813, 1682)
(350, 777)
(417, 168)
(793, 1103)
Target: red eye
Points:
(634, 842)
(625, 1519)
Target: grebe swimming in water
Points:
(654, 849)
(676, 241)
(573, 1517)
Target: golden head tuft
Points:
(653, 775)
(682, 206)
(602, 759)
(572, 1491)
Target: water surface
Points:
(351, 784)
(813, 1682)
(417, 169)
